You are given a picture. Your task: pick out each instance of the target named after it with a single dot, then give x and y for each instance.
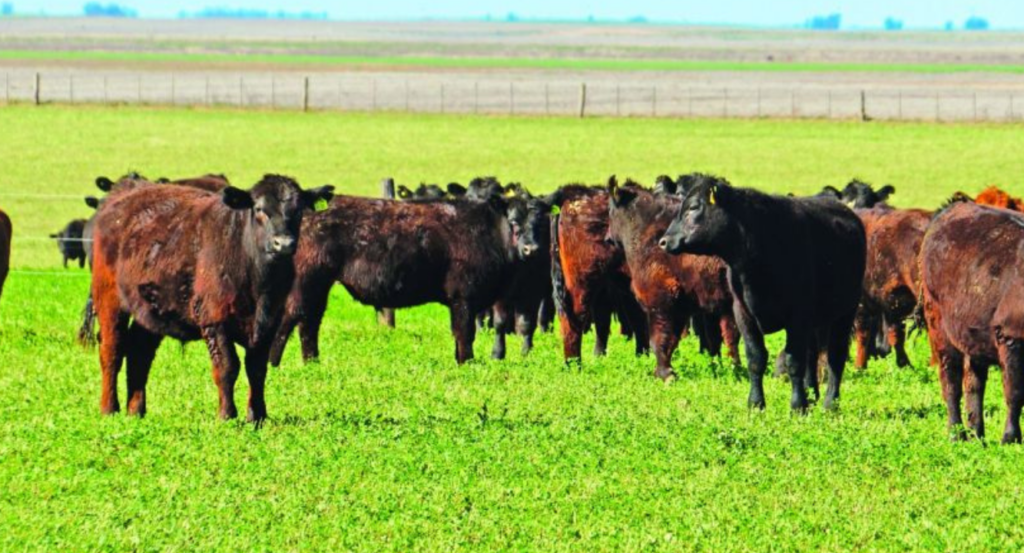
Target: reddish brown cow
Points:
(590, 276)
(6, 231)
(670, 288)
(971, 261)
(997, 198)
(192, 264)
(892, 277)
(396, 254)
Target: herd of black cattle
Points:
(200, 259)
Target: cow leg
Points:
(546, 313)
(864, 331)
(602, 328)
(897, 335)
(314, 305)
(81, 262)
(794, 357)
(464, 330)
(757, 354)
(140, 348)
(113, 330)
(502, 326)
(225, 368)
(86, 335)
(811, 366)
(65, 261)
(572, 336)
(731, 337)
(1011, 358)
(526, 325)
(664, 340)
(837, 353)
(975, 378)
(284, 331)
(386, 317)
(256, 371)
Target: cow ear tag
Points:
(320, 205)
(556, 209)
(711, 196)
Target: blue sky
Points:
(856, 13)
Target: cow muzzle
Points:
(282, 245)
(528, 250)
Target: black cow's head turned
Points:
(528, 216)
(277, 205)
(621, 200)
(703, 224)
(859, 194)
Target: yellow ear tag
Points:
(711, 197)
(556, 209)
(320, 205)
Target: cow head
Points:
(620, 203)
(483, 188)
(276, 205)
(859, 194)
(703, 224)
(530, 222)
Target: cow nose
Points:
(283, 244)
(528, 250)
(663, 243)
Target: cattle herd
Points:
(198, 259)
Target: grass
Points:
(387, 445)
(496, 62)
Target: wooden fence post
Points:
(305, 93)
(36, 92)
(583, 99)
(863, 106)
(385, 315)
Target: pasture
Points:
(385, 444)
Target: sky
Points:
(855, 13)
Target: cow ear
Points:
(162, 180)
(553, 201)
(456, 189)
(236, 198)
(54, 236)
(104, 184)
(620, 196)
(832, 191)
(404, 192)
(886, 191)
(317, 198)
(92, 201)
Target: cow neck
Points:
(263, 277)
(739, 245)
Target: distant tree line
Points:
(7, 8)
(95, 9)
(824, 22)
(242, 13)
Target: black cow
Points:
(795, 264)
(70, 242)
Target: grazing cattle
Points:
(460, 253)
(995, 197)
(589, 274)
(795, 264)
(6, 232)
(670, 288)
(892, 279)
(70, 242)
(971, 277)
(192, 264)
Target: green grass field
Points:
(387, 445)
(497, 62)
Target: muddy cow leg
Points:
(897, 335)
(464, 330)
(140, 348)
(975, 378)
(664, 340)
(602, 328)
(836, 355)
(526, 325)
(794, 357)
(731, 337)
(1011, 358)
(757, 355)
(256, 372)
(502, 326)
(225, 368)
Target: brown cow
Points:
(590, 276)
(397, 254)
(192, 264)
(6, 232)
(995, 197)
(892, 277)
(971, 262)
(670, 288)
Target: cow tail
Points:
(557, 275)
(918, 321)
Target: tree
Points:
(893, 24)
(824, 22)
(95, 9)
(7, 9)
(976, 24)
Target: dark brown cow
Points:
(795, 264)
(6, 232)
(397, 254)
(192, 264)
(971, 273)
(589, 274)
(670, 288)
(892, 277)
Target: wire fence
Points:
(365, 93)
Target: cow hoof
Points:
(756, 403)
(1011, 438)
(667, 375)
(111, 409)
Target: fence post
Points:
(511, 98)
(863, 106)
(583, 99)
(442, 97)
(547, 100)
(899, 113)
(36, 90)
(758, 102)
(7, 89)
(725, 102)
(937, 115)
(386, 316)
(830, 104)
(241, 91)
(206, 94)
(407, 95)
(341, 102)
(792, 104)
(618, 107)
(273, 91)
(975, 106)
(689, 102)
(174, 89)
(71, 89)
(305, 92)
(476, 96)
(654, 101)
